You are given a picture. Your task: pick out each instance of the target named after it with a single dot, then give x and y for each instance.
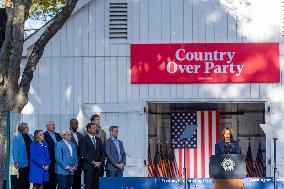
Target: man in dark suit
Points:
(76, 138)
(51, 137)
(91, 150)
(115, 154)
(96, 120)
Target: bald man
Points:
(51, 137)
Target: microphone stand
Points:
(184, 164)
(275, 168)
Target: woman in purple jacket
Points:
(39, 161)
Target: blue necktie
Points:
(94, 141)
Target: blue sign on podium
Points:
(176, 183)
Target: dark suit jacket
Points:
(222, 147)
(79, 136)
(112, 155)
(51, 145)
(90, 153)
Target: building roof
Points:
(33, 38)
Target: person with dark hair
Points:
(115, 154)
(76, 138)
(91, 149)
(21, 154)
(51, 137)
(227, 145)
(40, 161)
(96, 120)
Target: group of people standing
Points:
(50, 160)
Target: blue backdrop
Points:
(169, 183)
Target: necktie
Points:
(94, 141)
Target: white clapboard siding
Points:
(131, 121)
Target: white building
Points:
(86, 68)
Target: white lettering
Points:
(178, 54)
(171, 67)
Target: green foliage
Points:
(39, 7)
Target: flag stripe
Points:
(195, 164)
(218, 136)
(192, 150)
(214, 114)
(199, 145)
(202, 146)
(180, 162)
(206, 144)
(187, 163)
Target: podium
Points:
(228, 170)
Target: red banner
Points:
(205, 63)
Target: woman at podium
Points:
(227, 145)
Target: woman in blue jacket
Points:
(21, 154)
(40, 161)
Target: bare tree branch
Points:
(17, 50)
(5, 51)
(28, 4)
(38, 49)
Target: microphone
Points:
(97, 130)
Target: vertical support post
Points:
(275, 168)
(184, 165)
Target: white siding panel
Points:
(78, 33)
(122, 79)
(92, 79)
(85, 31)
(44, 92)
(107, 84)
(78, 84)
(135, 29)
(114, 80)
(86, 79)
(47, 49)
(100, 27)
(63, 40)
(56, 85)
(188, 21)
(92, 28)
(56, 44)
(129, 87)
(100, 79)
(70, 37)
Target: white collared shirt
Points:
(69, 146)
(75, 135)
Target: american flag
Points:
(164, 161)
(158, 168)
(249, 162)
(201, 146)
(173, 164)
(259, 166)
(150, 164)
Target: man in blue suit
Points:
(66, 161)
(115, 154)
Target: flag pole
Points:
(275, 168)
(184, 164)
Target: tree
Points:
(14, 86)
